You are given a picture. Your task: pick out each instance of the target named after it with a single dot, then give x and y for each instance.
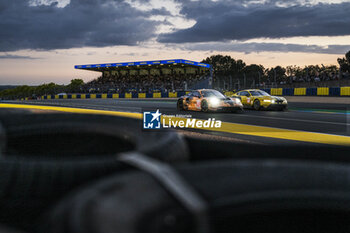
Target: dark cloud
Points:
(267, 47)
(10, 56)
(81, 23)
(241, 20)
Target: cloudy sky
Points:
(42, 40)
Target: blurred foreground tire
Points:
(49, 155)
(242, 196)
(68, 135)
(4, 229)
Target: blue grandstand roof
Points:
(143, 63)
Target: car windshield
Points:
(212, 94)
(259, 93)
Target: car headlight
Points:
(214, 102)
(268, 101)
(273, 101)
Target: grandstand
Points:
(149, 76)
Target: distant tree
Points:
(224, 66)
(253, 74)
(277, 71)
(254, 70)
(49, 89)
(226, 69)
(294, 71)
(344, 63)
(75, 85)
(18, 92)
(237, 67)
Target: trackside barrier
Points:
(314, 91)
(345, 91)
(276, 91)
(287, 91)
(322, 91)
(157, 95)
(300, 91)
(303, 91)
(334, 91)
(172, 94)
(229, 93)
(141, 95)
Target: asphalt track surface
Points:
(325, 118)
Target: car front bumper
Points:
(234, 107)
(278, 106)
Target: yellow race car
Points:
(206, 100)
(258, 100)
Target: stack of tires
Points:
(63, 173)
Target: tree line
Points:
(44, 89)
(225, 69)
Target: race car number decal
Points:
(198, 104)
(248, 100)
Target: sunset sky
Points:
(42, 40)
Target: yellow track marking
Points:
(226, 127)
(270, 132)
(73, 110)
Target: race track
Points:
(325, 118)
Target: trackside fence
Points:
(302, 91)
(310, 91)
